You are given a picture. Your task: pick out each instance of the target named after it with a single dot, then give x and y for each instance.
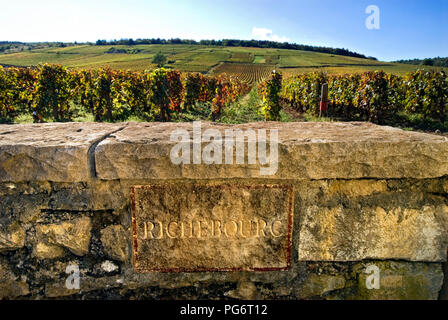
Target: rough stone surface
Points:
(72, 235)
(49, 152)
(341, 234)
(357, 188)
(23, 202)
(318, 285)
(11, 286)
(306, 151)
(12, 238)
(116, 242)
(47, 251)
(60, 152)
(245, 290)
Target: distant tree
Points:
(428, 62)
(159, 59)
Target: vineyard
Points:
(52, 92)
(198, 58)
(248, 73)
(371, 96)
(49, 92)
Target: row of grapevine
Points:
(16, 92)
(372, 96)
(50, 91)
(270, 92)
(248, 73)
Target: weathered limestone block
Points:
(318, 285)
(12, 238)
(23, 202)
(115, 241)
(341, 234)
(73, 235)
(220, 227)
(401, 281)
(69, 152)
(95, 195)
(245, 290)
(11, 286)
(49, 152)
(306, 151)
(44, 250)
(445, 186)
(357, 188)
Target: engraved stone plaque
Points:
(187, 227)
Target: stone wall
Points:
(346, 199)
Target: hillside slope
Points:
(204, 59)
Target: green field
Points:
(196, 58)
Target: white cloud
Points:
(267, 34)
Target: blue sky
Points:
(408, 29)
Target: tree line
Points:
(436, 62)
(236, 43)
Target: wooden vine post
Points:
(324, 100)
